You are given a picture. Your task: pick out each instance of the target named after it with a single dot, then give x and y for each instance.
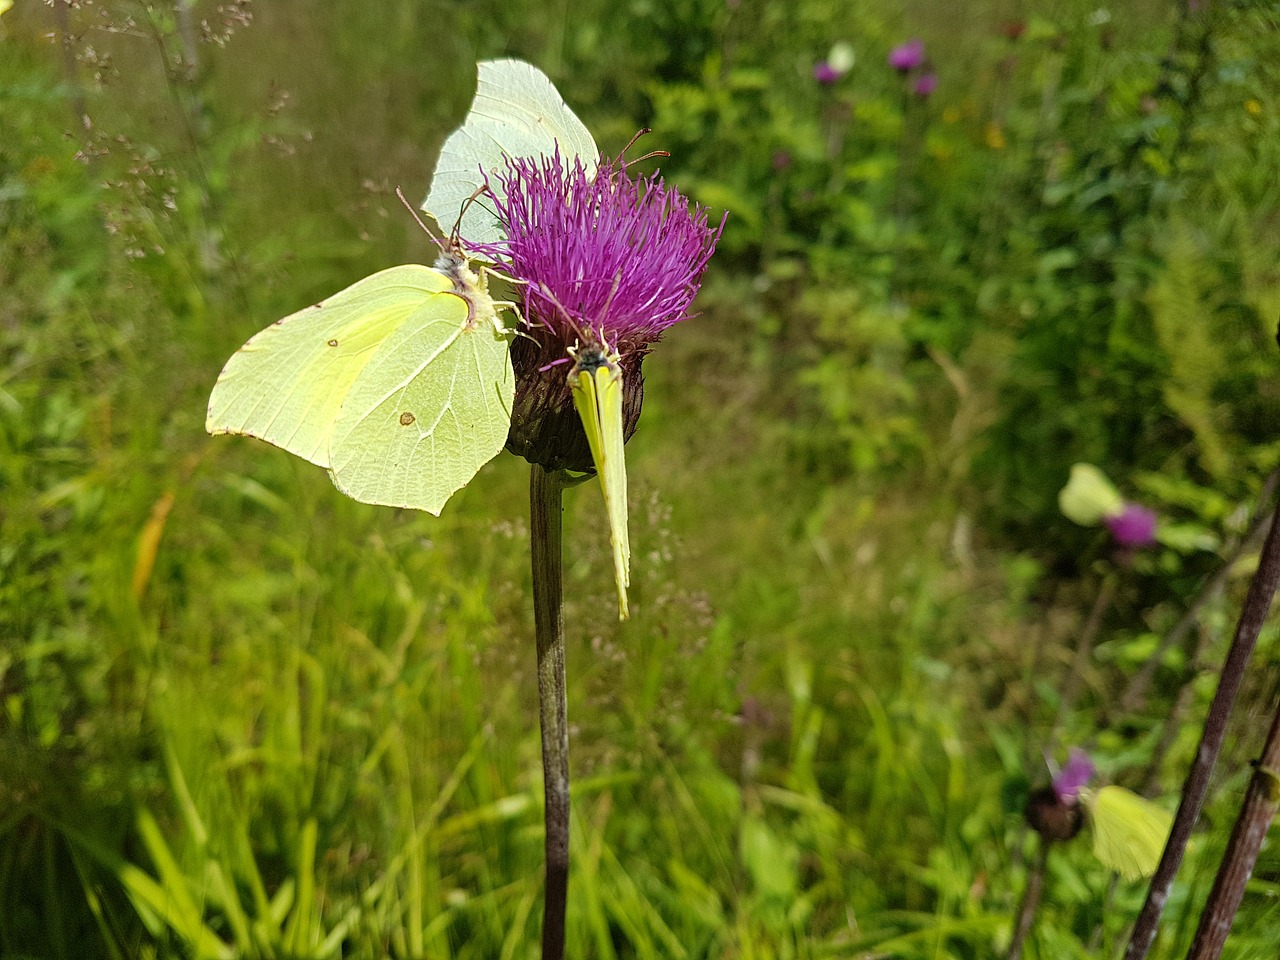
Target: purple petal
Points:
(925, 85)
(1075, 775)
(609, 257)
(825, 73)
(907, 56)
(1134, 526)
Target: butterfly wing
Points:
(431, 408)
(287, 384)
(1129, 832)
(517, 112)
(597, 395)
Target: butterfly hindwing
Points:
(430, 409)
(1129, 832)
(401, 385)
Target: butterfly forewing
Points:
(517, 112)
(288, 383)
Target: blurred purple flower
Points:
(925, 84)
(907, 56)
(1134, 526)
(825, 73)
(1074, 776)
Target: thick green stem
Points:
(544, 528)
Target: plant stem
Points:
(1260, 805)
(1257, 603)
(1084, 649)
(545, 491)
(1136, 691)
(1030, 901)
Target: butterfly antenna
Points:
(643, 131)
(414, 213)
(479, 192)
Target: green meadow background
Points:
(242, 716)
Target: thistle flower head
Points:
(606, 261)
(907, 56)
(924, 85)
(1073, 777)
(1134, 526)
(611, 257)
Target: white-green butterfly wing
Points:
(596, 384)
(517, 112)
(431, 408)
(401, 385)
(1129, 832)
(287, 384)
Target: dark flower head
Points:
(1134, 526)
(606, 261)
(907, 56)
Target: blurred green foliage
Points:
(244, 717)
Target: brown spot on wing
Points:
(407, 418)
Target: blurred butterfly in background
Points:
(1129, 831)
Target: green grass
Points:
(243, 716)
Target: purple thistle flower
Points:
(825, 73)
(1134, 526)
(609, 262)
(613, 258)
(925, 84)
(907, 56)
(1074, 776)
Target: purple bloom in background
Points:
(825, 73)
(1074, 776)
(925, 84)
(907, 56)
(1134, 526)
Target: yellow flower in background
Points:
(1254, 107)
(995, 136)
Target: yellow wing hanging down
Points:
(596, 381)
(1129, 832)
